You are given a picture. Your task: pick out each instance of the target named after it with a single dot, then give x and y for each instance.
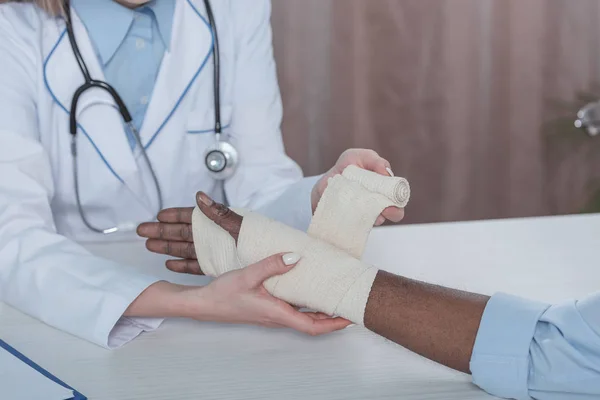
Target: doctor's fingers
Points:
(172, 248)
(185, 267)
(311, 324)
(166, 231)
(220, 214)
(393, 214)
(369, 160)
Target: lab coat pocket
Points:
(201, 135)
(202, 122)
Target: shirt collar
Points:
(164, 12)
(108, 22)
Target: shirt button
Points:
(140, 44)
(144, 100)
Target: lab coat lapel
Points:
(187, 62)
(98, 118)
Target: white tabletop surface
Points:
(550, 259)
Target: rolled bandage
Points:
(345, 215)
(394, 188)
(351, 204)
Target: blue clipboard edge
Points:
(14, 352)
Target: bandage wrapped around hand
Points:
(330, 277)
(351, 204)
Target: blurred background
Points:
(472, 100)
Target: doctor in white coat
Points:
(159, 57)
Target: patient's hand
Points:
(172, 235)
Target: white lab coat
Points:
(43, 271)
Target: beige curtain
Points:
(472, 100)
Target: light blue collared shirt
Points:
(529, 350)
(130, 45)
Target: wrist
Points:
(317, 191)
(162, 300)
(197, 304)
(314, 197)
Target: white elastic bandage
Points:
(394, 188)
(330, 277)
(215, 248)
(351, 204)
(326, 279)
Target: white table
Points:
(190, 360)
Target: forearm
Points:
(166, 300)
(435, 322)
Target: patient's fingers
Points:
(166, 231)
(185, 267)
(220, 215)
(171, 248)
(176, 215)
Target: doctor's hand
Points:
(240, 297)
(365, 159)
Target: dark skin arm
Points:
(436, 322)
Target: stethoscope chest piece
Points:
(221, 160)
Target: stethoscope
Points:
(221, 158)
(588, 119)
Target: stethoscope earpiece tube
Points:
(221, 159)
(125, 114)
(217, 67)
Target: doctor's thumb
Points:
(278, 264)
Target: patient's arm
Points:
(436, 322)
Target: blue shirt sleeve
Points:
(530, 350)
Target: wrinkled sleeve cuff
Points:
(127, 329)
(293, 207)
(116, 330)
(500, 360)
